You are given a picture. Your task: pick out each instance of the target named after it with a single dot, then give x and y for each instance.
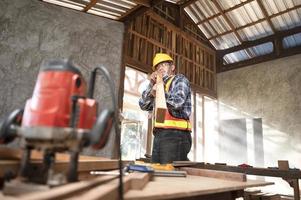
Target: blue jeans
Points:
(170, 145)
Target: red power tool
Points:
(59, 117)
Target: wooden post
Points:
(149, 138)
(160, 101)
(294, 183)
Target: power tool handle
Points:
(100, 132)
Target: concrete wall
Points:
(33, 31)
(271, 91)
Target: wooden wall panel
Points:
(149, 34)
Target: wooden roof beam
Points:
(259, 59)
(145, 3)
(256, 22)
(237, 29)
(225, 11)
(196, 15)
(230, 24)
(227, 19)
(181, 25)
(139, 11)
(266, 15)
(90, 5)
(270, 38)
(186, 3)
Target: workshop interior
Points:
(73, 74)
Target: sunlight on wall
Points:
(276, 146)
(199, 129)
(211, 131)
(192, 154)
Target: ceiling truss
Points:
(125, 11)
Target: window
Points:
(135, 121)
(199, 128)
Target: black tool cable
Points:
(106, 74)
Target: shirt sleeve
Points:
(177, 96)
(146, 102)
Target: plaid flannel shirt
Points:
(178, 98)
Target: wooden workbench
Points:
(192, 187)
(199, 183)
(139, 186)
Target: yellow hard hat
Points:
(160, 57)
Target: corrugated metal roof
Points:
(241, 55)
(113, 9)
(207, 7)
(207, 30)
(256, 31)
(173, 1)
(220, 25)
(246, 14)
(225, 23)
(68, 4)
(288, 20)
(276, 6)
(189, 12)
(247, 21)
(226, 4)
(225, 41)
(292, 41)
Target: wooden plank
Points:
(216, 174)
(145, 3)
(203, 90)
(12, 166)
(9, 167)
(68, 190)
(294, 183)
(253, 170)
(135, 181)
(17, 188)
(283, 164)
(138, 180)
(7, 153)
(190, 186)
(160, 101)
(86, 163)
(90, 5)
(3, 197)
(122, 72)
(138, 186)
(137, 64)
(185, 35)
